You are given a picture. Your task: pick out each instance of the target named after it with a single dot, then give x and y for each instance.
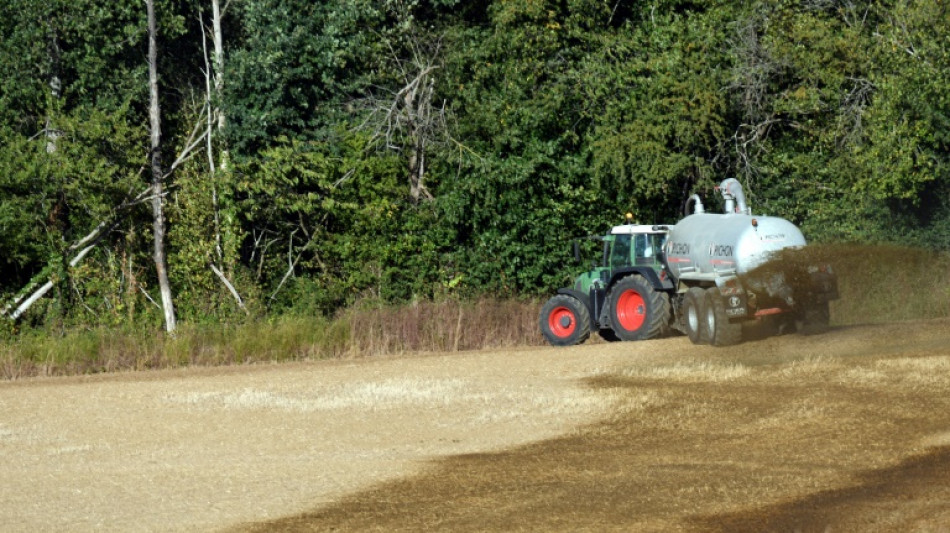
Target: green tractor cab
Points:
(622, 299)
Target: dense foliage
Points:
(367, 151)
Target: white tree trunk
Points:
(55, 87)
(216, 114)
(219, 71)
(158, 218)
(45, 288)
(82, 247)
(219, 95)
(230, 286)
(209, 144)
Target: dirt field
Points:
(845, 431)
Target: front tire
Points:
(636, 311)
(564, 321)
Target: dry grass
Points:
(768, 436)
(446, 326)
(690, 372)
(421, 327)
(450, 395)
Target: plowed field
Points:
(848, 430)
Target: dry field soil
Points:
(844, 431)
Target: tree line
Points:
(289, 156)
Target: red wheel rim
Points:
(558, 317)
(631, 310)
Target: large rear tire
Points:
(694, 314)
(637, 311)
(814, 319)
(719, 330)
(564, 321)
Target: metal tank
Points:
(703, 246)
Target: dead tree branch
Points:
(230, 287)
(34, 290)
(407, 119)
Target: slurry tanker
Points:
(704, 276)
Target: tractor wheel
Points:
(565, 321)
(666, 329)
(636, 311)
(694, 313)
(719, 330)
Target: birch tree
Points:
(155, 156)
(216, 122)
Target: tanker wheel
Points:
(814, 320)
(636, 311)
(694, 313)
(565, 321)
(719, 330)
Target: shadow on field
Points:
(877, 502)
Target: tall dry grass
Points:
(363, 331)
(444, 326)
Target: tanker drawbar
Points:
(706, 276)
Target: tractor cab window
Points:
(620, 251)
(652, 246)
(633, 249)
(644, 246)
(647, 247)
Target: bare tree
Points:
(752, 74)
(216, 120)
(851, 111)
(407, 118)
(214, 83)
(158, 177)
(211, 95)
